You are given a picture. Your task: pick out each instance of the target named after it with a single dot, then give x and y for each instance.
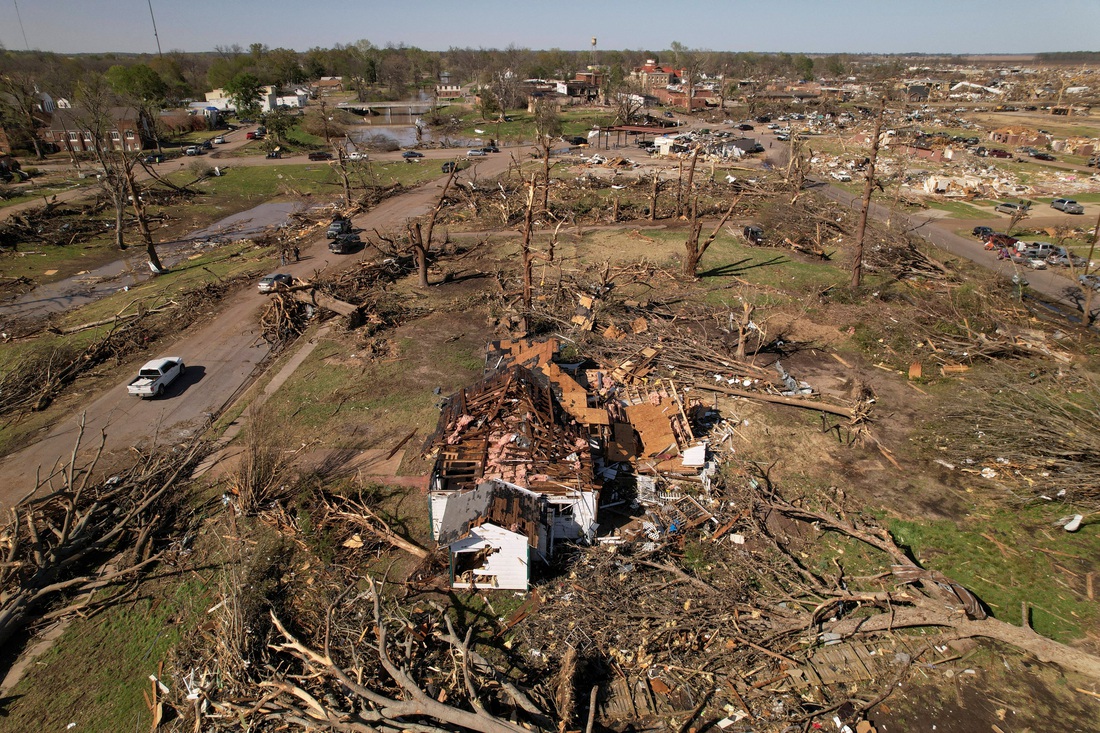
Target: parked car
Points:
(1043, 156)
(356, 155)
(1035, 249)
(192, 150)
(754, 234)
(344, 244)
(411, 154)
(219, 140)
(270, 283)
(669, 115)
(982, 232)
(1069, 206)
(1008, 208)
(449, 166)
(995, 153)
(475, 153)
(154, 158)
(273, 154)
(251, 136)
(320, 155)
(261, 130)
(1090, 281)
(338, 227)
(155, 377)
(745, 126)
(206, 145)
(490, 149)
(1062, 257)
(842, 176)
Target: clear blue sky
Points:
(812, 26)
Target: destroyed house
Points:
(490, 532)
(508, 428)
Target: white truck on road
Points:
(155, 376)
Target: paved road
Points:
(221, 357)
(939, 231)
(1052, 283)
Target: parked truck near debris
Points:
(155, 377)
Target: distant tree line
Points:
(1068, 57)
(395, 71)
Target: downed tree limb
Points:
(947, 605)
(1044, 649)
(317, 298)
(358, 514)
(378, 708)
(113, 319)
(782, 400)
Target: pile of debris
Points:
(357, 294)
(571, 439)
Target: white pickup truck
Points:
(155, 376)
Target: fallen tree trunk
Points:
(1044, 649)
(317, 298)
(780, 400)
(107, 321)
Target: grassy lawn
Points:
(521, 124)
(336, 400)
(1035, 562)
(99, 668)
(958, 209)
(44, 190)
(46, 263)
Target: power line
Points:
(20, 19)
(159, 53)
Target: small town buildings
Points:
(127, 129)
(652, 75)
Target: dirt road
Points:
(221, 356)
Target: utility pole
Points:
(868, 187)
(19, 17)
(155, 28)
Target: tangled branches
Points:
(63, 543)
(1043, 432)
(400, 672)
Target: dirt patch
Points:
(987, 693)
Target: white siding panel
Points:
(506, 569)
(436, 508)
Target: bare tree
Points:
(693, 249)
(684, 197)
(547, 129)
(421, 244)
(1087, 280)
(868, 187)
(19, 105)
(99, 110)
